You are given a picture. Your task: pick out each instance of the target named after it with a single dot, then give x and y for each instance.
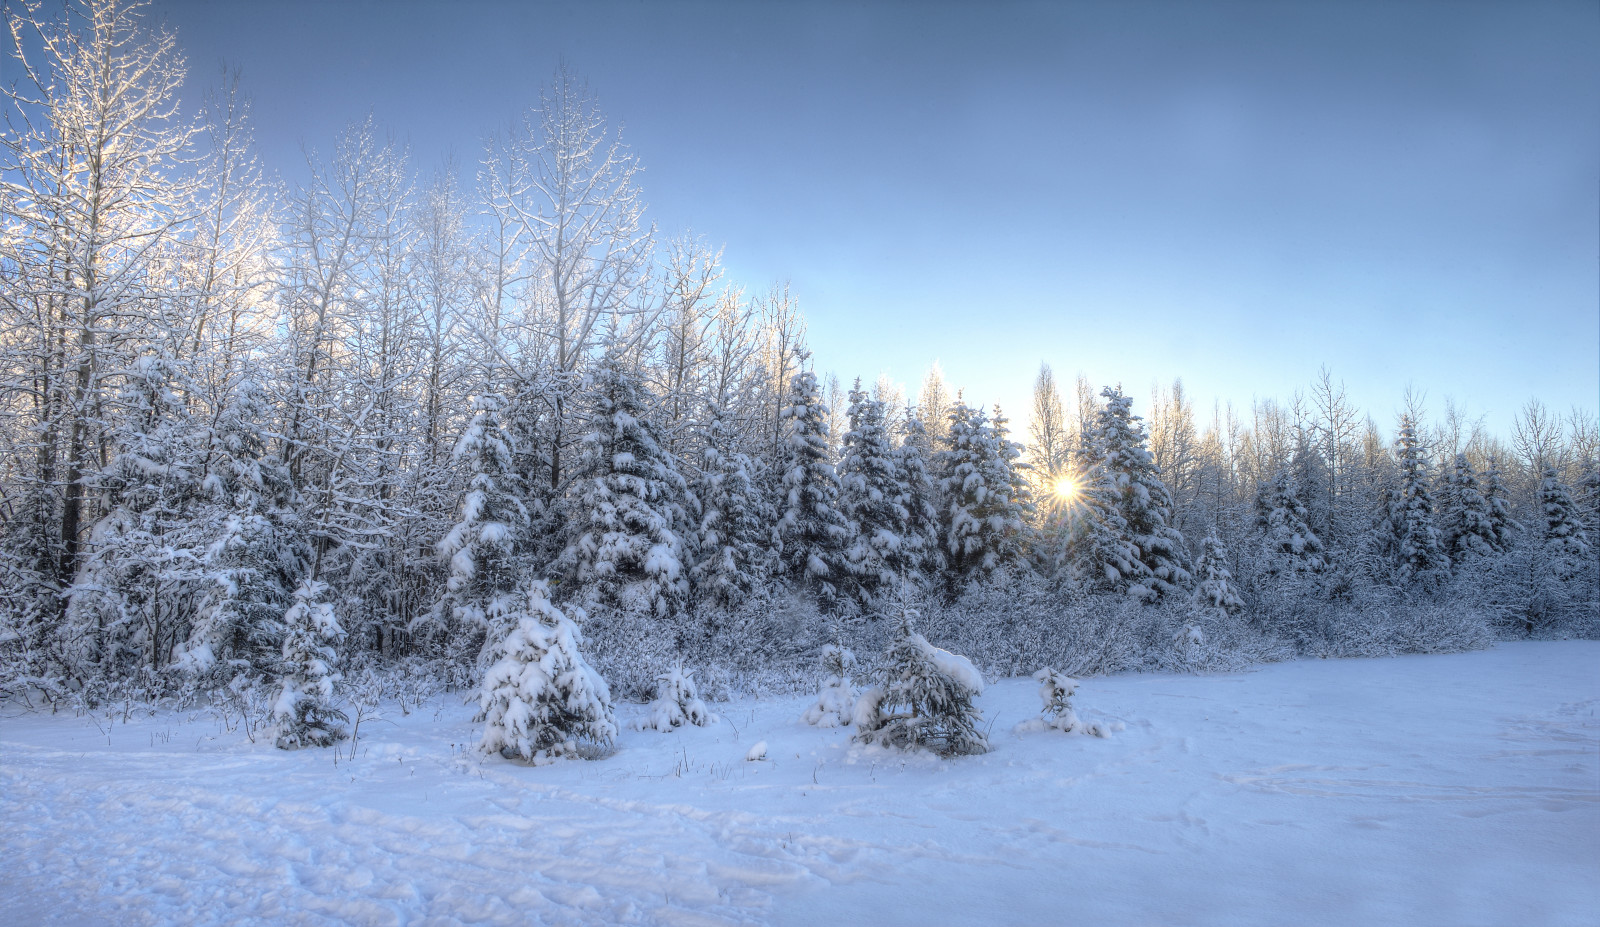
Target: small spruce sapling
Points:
(925, 700)
(836, 703)
(677, 703)
(542, 697)
(1055, 695)
(303, 712)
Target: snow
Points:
(1423, 790)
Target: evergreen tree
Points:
(1416, 543)
(1589, 495)
(677, 703)
(1124, 478)
(1502, 526)
(1055, 697)
(1216, 588)
(920, 500)
(871, 496)
(303, 711)
(836, 701)
(1291, 547)
(1564, 537)
(630, 501)
(986, 502)
(484, 549)
(1099, 543)
(1464, 514)
(813, 531)
(925, 699)
(734, 519)
(542, 698)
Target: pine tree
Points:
(484, 549)
(870, 496)
(1291, 547)
(1502, 526)
(925, 699)
(1589, 495)
(303, 711)
(677, 703)
(812, 529)
(986, 502)
(920, 500)
(1563, 535)
(734, 519)
(1099, 543)
(1464, 514)
(1216, 588)
(1416, 543)
(836, 701)
(1056, 711)
(626, 551)
(542, 699)
(1124, 480)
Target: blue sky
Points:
(1234, 194)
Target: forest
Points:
(255, 430)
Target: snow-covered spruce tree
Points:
(629, 503)
(1588, 496)
(870, 494)
(836, 702)
(1124, 477)
(920, 500)
(1216, 588)
(677, 703)
(133, 597)
(1100, 545)
(1464, 515)
(1289, 546)
(1565, 541)
(1416, 543)
(924, 699)
(734, 520)
(304, 711)
(1056, 712)
(986, 504)
(257, 551)
(541, 700)
(812, 530)
(1503, 528)
(484, 547)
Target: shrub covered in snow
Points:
(677, 703)
(303, 712)
(836, 702)
(925, 699)
(1055, 694)
(542, 699)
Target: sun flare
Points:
(1066, 488)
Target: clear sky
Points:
(1234, 194)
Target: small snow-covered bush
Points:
(542, 698)
(836, 702)
(677, 703)
(1055, 694)
(925, 700)
(303, 712)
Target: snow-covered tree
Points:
(735, 522)
(986, 507)
(483, 548)
(1464, 514)
(304, 709)
(870, 495)
(1416, 543)
(812, 529)
(1216, 588)
(835, 705)
(924, 699)
(920, 500)
(1127, 541)
(677, 703)
(542, 700)
(1503, 527)
(629, 503)
(1563, 535)
(1290, 545)
(1055, 697)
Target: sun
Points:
(1065, 489)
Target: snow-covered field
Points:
(1450, 790)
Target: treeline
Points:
(428, 390)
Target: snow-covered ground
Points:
(1450, 790)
